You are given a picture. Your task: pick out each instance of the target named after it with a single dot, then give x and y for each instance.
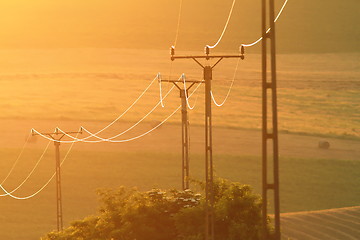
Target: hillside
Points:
(337, 224)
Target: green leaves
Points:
(127, 214)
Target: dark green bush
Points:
(127, 214)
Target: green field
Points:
(58, 87)
(306, 184)
(342, 223)
(74, 63)
(60, 90)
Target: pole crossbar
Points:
(180, 81)
(207, 57)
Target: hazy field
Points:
(322, 184)
(342, 223)
(82, 63)
(318, 94)
(319, 98)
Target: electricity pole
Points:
(209, 173)
(185, 143)
(273, 122)
(57, 136)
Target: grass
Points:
(308, 102)
(306, 184)
(334, 224)
(59, 87)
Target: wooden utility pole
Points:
(185, 143)
(57, 136)
(209, 171)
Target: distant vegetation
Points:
(128, 214)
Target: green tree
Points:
(128, 214)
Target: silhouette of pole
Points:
(185, 134)
(269, 135)
(209, 171)
(57, 136)
(59, 216)
(185, 140)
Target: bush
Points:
(127, 214)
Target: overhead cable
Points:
(31, 172)
(159, 78)
(178, 24)
(225, 27)
(107, 126)
(269, 29)
(186, 94)
(119, 134)
(121, 115)
(151, 130)
(43, 187)
(231, 86)
(17, 159)
(141, 135)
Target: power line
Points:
(125, 131)
(160, 88)
(178, 24)
(17, 159)
(141, 135)
(96, 133)
(114, 121)
(110, 138)
(31, 172)
(121, 115)
(125, 140)
(231, 86)
(269, 29)
(186, 93)
(225, 27)
(44, 186)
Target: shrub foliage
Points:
(128, 214)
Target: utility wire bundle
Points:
(114, 139)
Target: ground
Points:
(318, 100)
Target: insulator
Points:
(242, 49)
(207, 50)
(172, 50)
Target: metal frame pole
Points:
(264, 119)
(266, 135)
(275, 122)
(185, 133)
(209, 176)
(208, 156)
(59, 214)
